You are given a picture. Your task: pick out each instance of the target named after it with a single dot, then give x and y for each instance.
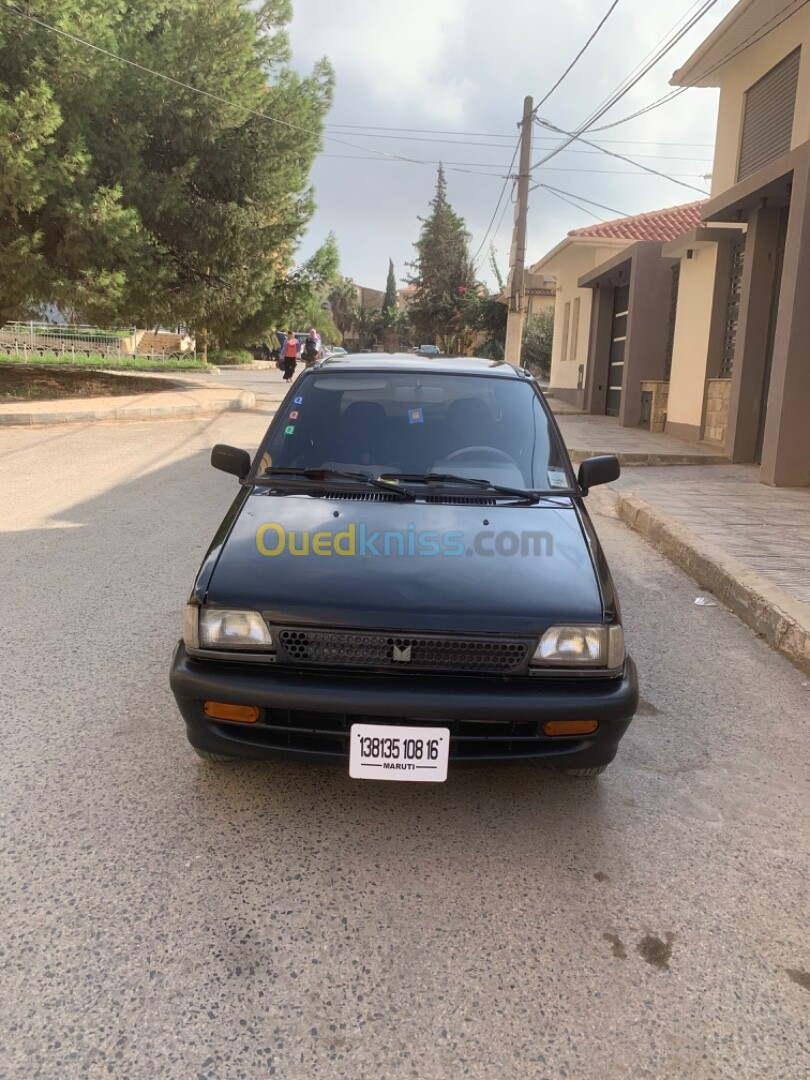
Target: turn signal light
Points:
(570, 727)
(244, 714)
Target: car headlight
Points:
(580, 646)
(230, 628)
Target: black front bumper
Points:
(307, 714)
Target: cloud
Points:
(409, 53)
(466, 65)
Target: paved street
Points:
(165, 918)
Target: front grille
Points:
(328, 734)
(400, 653)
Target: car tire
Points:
(215, 759)
(594, 771)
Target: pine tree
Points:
(443, 272)
(128, 197)
(390, 298)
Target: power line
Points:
(211, 96)
(565, 199)
(571, 195)
(499, 174)
(578, 57)
(507, 178)
(628, 85)
(622, 157)
(782, 15)
(361, 129)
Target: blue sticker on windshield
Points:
(298, 400)
(415, 416)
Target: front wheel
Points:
(206, 755)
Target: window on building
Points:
(768, 117)
(566, 328)
(574, 329)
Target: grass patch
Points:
(229, 357)
(45, 382)
(118, 363)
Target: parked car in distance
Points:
(407, 579)
(428, 350)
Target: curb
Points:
(765, 608)
(630, 459)
(233, 403)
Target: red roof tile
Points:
(660, 225)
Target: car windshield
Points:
(490, 428)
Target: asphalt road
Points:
(165, 918)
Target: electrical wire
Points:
(578, 57)
(571, 202)
(628, 85)
(507, 178)
(622, 157)
(581, 198)
(208, 94)
(782, 15)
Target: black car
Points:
(408, 576)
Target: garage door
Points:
(618, 337)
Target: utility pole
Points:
(517, 262)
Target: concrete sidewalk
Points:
(746, 543)
(180, 398)
(586, 436)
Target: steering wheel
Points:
(476, 453)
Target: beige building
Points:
(702, 329)
(741, 363)
(577, 360)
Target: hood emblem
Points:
(402, 654)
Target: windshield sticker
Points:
(290, 429)
(293, 415)
(557, 477)
(415, 416)
(298, 401)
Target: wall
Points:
(577, 259)
(692, 328)
(740, 74)
(718, 394)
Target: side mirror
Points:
(231, 459)
(598, 470)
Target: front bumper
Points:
(307, 715)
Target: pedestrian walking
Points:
(312, 347)
(290, 352)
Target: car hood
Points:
(463, 589)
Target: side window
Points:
(565, 330)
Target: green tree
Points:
(126, 194)
(389, 303)
(66, 235)
(443, 273)
(538, 334)
(343, 301)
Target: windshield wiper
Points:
(273, 474)
(449, 479)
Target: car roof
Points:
(407, 362)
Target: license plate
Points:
(390, 752)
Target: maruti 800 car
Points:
(407, 580)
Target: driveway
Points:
(166, 918)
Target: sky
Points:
(436, 67)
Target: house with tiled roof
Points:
(695, 320)
(741, 367)
(618, 249)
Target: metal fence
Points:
(38, 339)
